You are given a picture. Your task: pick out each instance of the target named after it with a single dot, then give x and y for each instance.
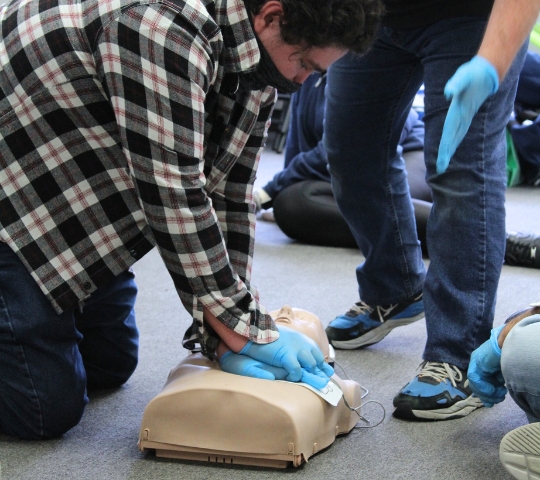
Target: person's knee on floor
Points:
(110, 342)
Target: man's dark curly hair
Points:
(348, 24)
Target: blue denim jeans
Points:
(47, 361)
(368, 100)
(520, 362)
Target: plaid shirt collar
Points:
(241, 50)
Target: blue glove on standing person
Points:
(295, 352)
(468, 89)
(484, 374)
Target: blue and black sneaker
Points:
(365, 325)
(440, 392)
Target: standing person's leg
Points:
(42, 372)
(466, 228)
(365, 114)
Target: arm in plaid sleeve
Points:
(232, 198)
(157, 68)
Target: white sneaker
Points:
(260, 198)
(520, 452)
(257, 200)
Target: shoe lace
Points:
(440, 371)
(364, 309)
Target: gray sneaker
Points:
(520, 452)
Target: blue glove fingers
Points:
(307, 360)
(257, 372)
(320, 373)
(314, 380)
(290, 363)
(321, 363)
(455, 127)
(278, 373)
(242, 365)
(488, 389)
(492, 400)
(327, 369)
(468, 89)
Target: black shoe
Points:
(522, 250)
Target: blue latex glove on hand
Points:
(295, 352)
(484, 374)
(468, 89)
(249, 367)
(241, 365)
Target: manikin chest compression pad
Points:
(209, 415)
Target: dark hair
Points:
(348, 24)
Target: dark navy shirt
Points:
(419, 13)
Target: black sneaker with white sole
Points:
(522, 250)
(440, 392)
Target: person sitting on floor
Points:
(301, 196)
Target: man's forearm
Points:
(509, 25)
(233, 340)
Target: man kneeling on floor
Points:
(127, 125)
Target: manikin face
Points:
(294, 62)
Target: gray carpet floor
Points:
(320, 280)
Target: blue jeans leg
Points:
(110, 339)
(520, 364)
(466, 230)
(368, 101)
(42, 370)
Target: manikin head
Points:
(304, 322)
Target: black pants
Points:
(308, 212)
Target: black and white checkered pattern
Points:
(120, 129)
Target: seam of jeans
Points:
(482, 298)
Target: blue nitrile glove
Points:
(249, 367)
(468, 89)
(319, 379)
(484, 374)
(295, 352)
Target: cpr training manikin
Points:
(208, 415)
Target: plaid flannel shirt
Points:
(121, 129)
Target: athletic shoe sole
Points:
(520, 452)
(458, 410)
(375, 335)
